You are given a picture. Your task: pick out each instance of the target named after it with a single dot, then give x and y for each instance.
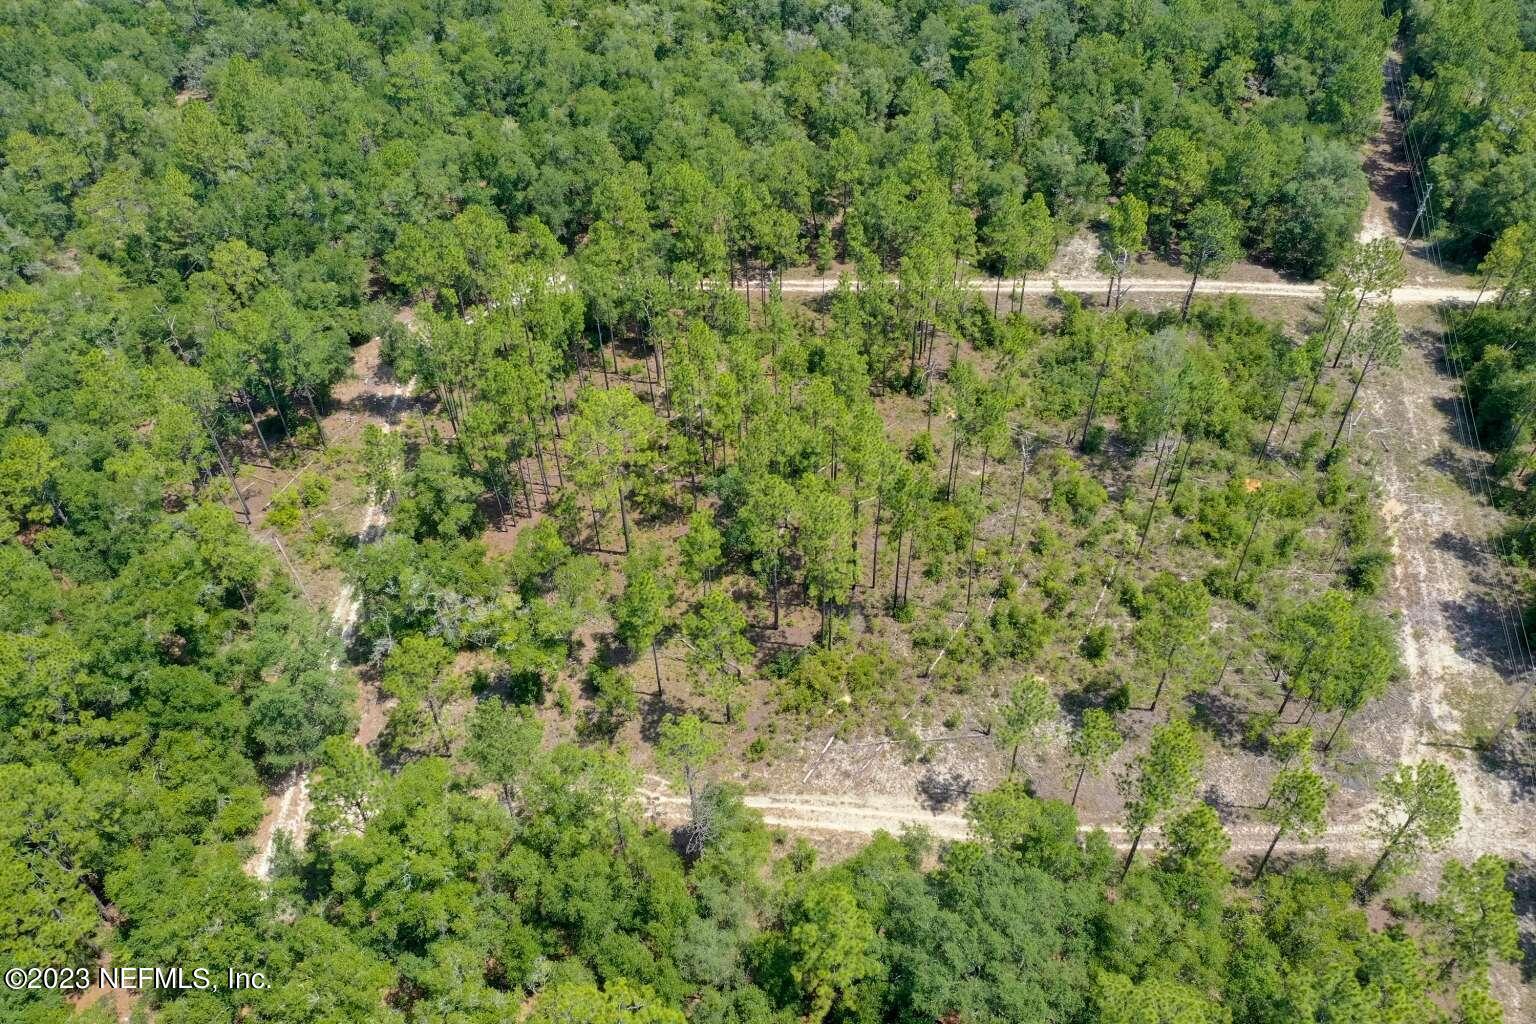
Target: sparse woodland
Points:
(404, 398)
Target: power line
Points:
(1516, 636)
(1516, 639)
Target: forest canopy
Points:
(1469, 98)
(401, 417)
(322, 135)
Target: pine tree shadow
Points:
(372, 405)
(609, 652)
(1465, 467)
(1522, 883)
(1486, 632)
(1229, 811)
(1461, 547)
(938, 791)
(1221, 716)
(1513, 758)
(656, 708)
(1076, 703)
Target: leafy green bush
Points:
(314, 490)
(1093, 443)
(1074, 492)
(1367, 571)
(1015, 631)
(1096, 643)
(285, 514)
(838, 679)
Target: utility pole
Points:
(1418, 216)
(1514, 712)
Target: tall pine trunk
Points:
(1093, 399)
(1131, 854)
(1348, 331)
(1265, 862)
(1334, 734)
(1349, 406)
(1273, 423)
(874, 557)
(1189, 295)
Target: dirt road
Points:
(866, 814)
(1460, 635)
(1408, 295)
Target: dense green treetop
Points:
(540, 209)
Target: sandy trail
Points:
(1461, 637)
(287, 810)
(1444, 570)
(1408, 295)
(866, 814)
(1458, 628)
